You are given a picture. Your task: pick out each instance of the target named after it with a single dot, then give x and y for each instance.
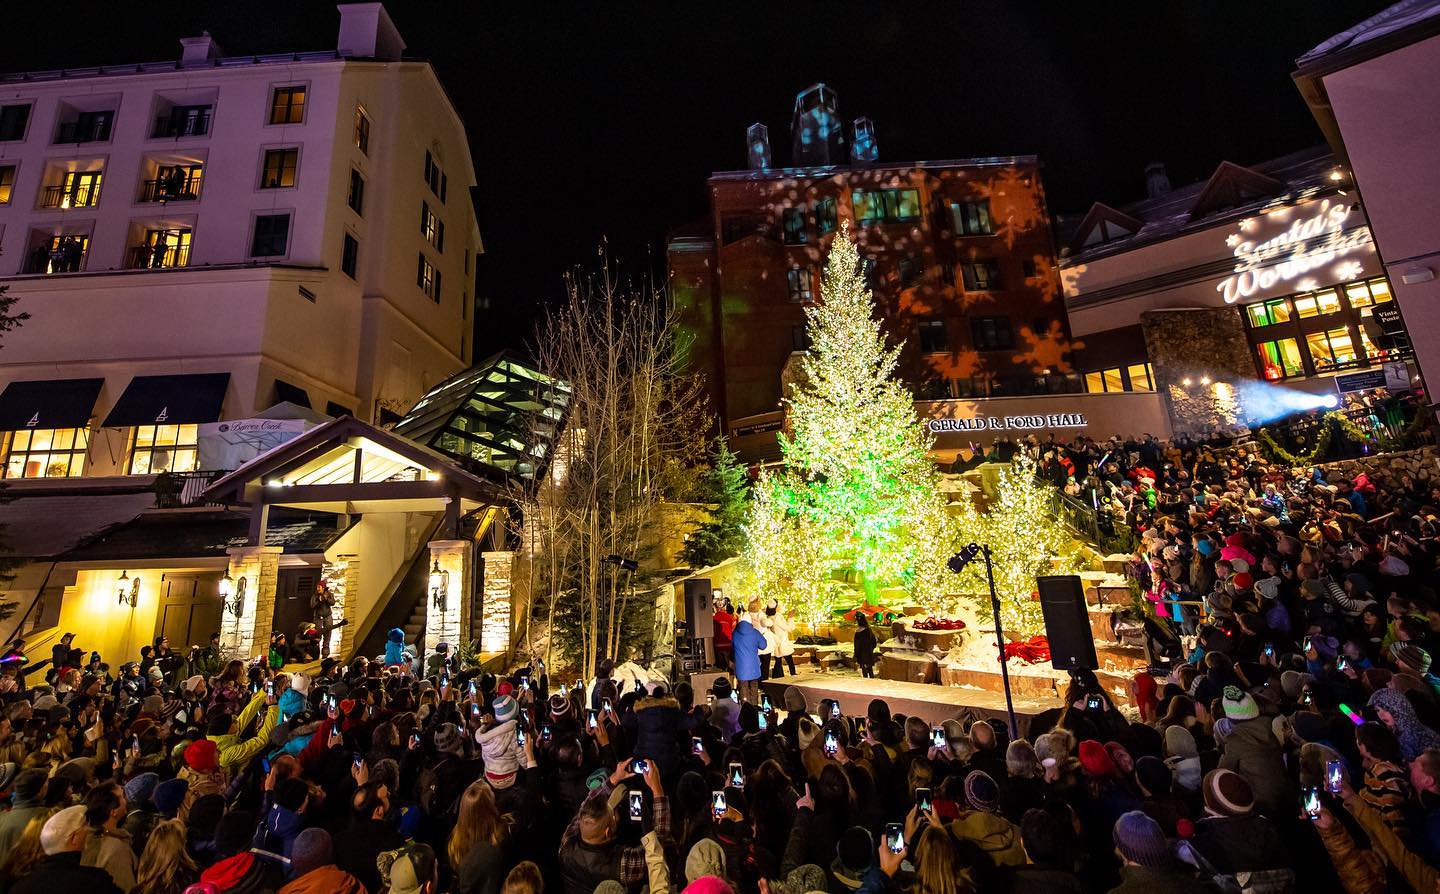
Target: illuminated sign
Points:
(1007, 423)
(1307, 243)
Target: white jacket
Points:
(778, 629)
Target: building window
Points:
(173, 183)
(362, 130)
(886, 205)
(1359, 294)
(1331, 348)
(1317, 304)
(1105, 381)
(12, 122)
(434, 177)
(826, 219)
(163, 448)
(991, 333)
(793, 226)
(356, 197)
(428, 279)
(47, 453)
(59, 254)
(287, 105)
(1279, 359)
(971, 218)
(933, 339)
(1141, 376)
(88, 127)
(161, 249)
(349, 256)
(183, 121)
(980, 276)
(7, 183)
(910, 270)
(280, 166)
(800, 337)
(80, 189)
(1268, 313)
(798, 285)
(272, 235)
(432, 227)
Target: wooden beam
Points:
(259, 521)
(353, 493)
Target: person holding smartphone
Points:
(591, 846)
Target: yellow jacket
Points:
(232, 751)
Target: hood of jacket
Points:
(661, 702)
(230, 871)
(325, 880)
(990, 831)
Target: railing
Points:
(83, 132)
(64, 259)
(166, 126)
(171, 190)
(176, 490)
(82, 195)
(157, 257)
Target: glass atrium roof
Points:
(500, 418)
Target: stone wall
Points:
(1385, 469)
(1197, 345)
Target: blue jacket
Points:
(747, 643)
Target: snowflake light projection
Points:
(1014, 206)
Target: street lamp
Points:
(957, 564)
(439, 585)
(127, 589)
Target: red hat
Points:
(347, 706)
(1244, 580)
(202, 756)
(504, 688)
(1095, 760)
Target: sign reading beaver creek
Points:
(1266, 258)
(1007, 423)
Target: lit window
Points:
(1113, 381)
(280, 165)
(59, 254)
(980, 276)
(362, 130)
(825, 217)
(1268, 313)
(163, 448)
(1094, 383)
(971, 218)
(349, 256)
(173, 183)
(355, 198)
(797, 282)
(428, 279)
(1279, 359)
(1305, 307)
(1358, 294)
(288, 105)
(991, 333)
(932, 337)
(1328, 301)
(432, 227)
(272, 235)
(886, 205)
(793, 225)
(1141, 377)
(1380, 290)
(7, 183)
(1330, 348)
(80, 189)
(47, 453)
(160, 249)
(434, 177)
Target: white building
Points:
(197, 240)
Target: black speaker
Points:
(1067, 623)
(699, 613)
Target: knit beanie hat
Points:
(1227, 793)
(1313, 758)
(794, 700)
(559, 706)
(981, 791)
(153, 705)
(312, 849)
(1141, 840)
(708, 884)
(169, 795)
(29, 783)
(1292, 683)
(192, 683)
(707, 857)
(806, 731)
(1410, 657)
(504, 708)
(449, 740)
(202, 756)
(1154, 777)
(139, 789)
(1054, 745)
(1309, 726)
(1095, 760)
(1239, 705)
(855, 851)
(1180, 743)
(500, 748)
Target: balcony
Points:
(82, 195)
(174, 127)
(171, 189)
(65, 254)
(84, 131)
(157, 257)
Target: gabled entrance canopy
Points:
(350, 467)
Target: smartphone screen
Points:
(1269, 650)
(710, 698)
(414, 741)
(737, 776)
(605, 705)
(1306, 698)
(922, 799)
(765, 702)
(895, 837)
(1310, 800)
(269, 687)
(545, 733)
(937, 736)
(1334, 776)
(696, 745)
(860, 726)
(762, 721)
(639, 766)
(1342, 663)
(832, 744)
(637, 805)
(1305, 646)
(717, 804)
(520, 736)
(592, 720)
(359, 759)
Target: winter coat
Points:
(235, 752)
(482, 871)
(1239, 843)
(993, 833)
(395, 653)
(278, 833)
(724, 626)
(112, 852)
(64, 873)
(244, 873)
(762, 626)
(865, 646)
(659, 724)
(1251, 751)
(200, 785)
(780, 629)
(1140, 880)
(747, 643)
(1360, 870)
(325, 880)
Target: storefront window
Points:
(1268, 313)
(1326, 302)
(163, 448)
(1330, 348)
(1280, 359)
(1141, 378)
(46, 453)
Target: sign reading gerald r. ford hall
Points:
(1008, 423)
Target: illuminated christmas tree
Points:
(858, 492)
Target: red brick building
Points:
(960, 254)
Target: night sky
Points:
(593, 121)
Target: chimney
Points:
(863, 149)
(816, 134)
(366, 32)
(199, 50)
(757, 137)
(1157, 182)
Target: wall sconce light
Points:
(127, 589)
(439, 585)
(226, 586)
(1205, 380)
(1186, 382)
(237, 607)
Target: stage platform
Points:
(931, 702)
